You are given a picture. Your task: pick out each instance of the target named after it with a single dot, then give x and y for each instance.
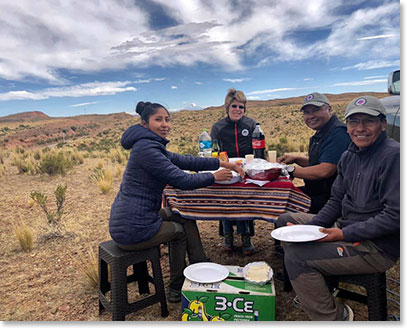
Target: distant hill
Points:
(25, 117)
(280, 119)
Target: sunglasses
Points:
(235, 106)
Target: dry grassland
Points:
(48, 283)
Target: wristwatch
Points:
(290, 169)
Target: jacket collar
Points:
(233, 122)
(327, 126)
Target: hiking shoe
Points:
(174, 296)
(247, 246)
(228, 243)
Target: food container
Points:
(259, 273)
(224, 156)
(260, 169)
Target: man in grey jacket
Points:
(361, 219)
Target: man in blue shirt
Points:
(325, 149)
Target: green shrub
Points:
(55, 163)
(53, 218)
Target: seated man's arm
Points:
(291, 158)
(329, 155)
(315, 172)
(332, 210)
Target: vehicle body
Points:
(392, 105)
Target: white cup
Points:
(272, 156)
(249, 157)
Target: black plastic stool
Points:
(119, 260)
(374, 284)
(375, 298)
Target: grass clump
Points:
(89, 267)
(24, 236)
(54, 163)
(25, 164)
(103, 178)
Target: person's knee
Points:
(282, 220)
(293, 264)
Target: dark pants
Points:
(183, 238)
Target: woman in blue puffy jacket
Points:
(136, 221)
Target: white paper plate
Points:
(206, 272)
(236, 178)
(298, 233)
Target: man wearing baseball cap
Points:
(325, 149)
(361, 219)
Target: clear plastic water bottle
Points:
(205, 143)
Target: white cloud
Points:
(374, 77)
(253, 97)
(17, 95)
(262, 92)
(80, 90)
(358, 83)
(308, 79)
(198, 83)
(85, 104)
(95, 36)
(237, 80)
(173, 87)
(373, 64)
(376, 37)
(384, 18)
(40, 38)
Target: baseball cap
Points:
(316, 99)
(365, 105)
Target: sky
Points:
(71, 57)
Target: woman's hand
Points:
(233, 167)
(223, 175)
(334, 234)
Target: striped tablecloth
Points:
(238, 201)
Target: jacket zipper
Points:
(237, 145)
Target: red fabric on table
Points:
(238, 201)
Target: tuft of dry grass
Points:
(88, 265)
(24, 236)
(103, 178)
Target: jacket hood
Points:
(138, 132)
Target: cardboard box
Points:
(233, 299)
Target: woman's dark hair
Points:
(146, 109)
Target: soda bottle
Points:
(215, 146)
(258, 142)
(205, 143)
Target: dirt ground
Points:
(47, 284)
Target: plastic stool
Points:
(376, 297)
(119, 260)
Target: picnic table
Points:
(238, 201)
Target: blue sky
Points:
(68, 58)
